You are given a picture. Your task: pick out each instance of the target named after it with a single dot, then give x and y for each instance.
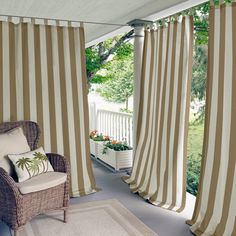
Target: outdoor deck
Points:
(163, 222)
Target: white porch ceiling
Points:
(106, 11)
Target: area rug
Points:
(100, 218)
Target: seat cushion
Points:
(12, 142)
(42, 182)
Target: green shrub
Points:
(116, 145)
(193, 174)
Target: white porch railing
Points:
(117, 125)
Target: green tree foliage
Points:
(199, 78)
(199, 72)
(120, 87)
(93, 60)
(99, 55)
(201, 23)
(198, 92)
(200, 54)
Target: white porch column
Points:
(138, 26)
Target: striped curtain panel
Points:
(43, 79)
(215, 210)
(159, 171)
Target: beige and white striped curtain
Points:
(42, 78)
(159, 171)
(215, 210)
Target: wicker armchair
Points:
(17, 209)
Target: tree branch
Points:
(112, 50)
(104, 55)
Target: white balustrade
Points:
(117, 125)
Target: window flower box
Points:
(117, 159)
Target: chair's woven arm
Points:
(8, 185)
(10, 199)
(59, 163)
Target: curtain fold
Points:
(215, 210)
(159, 171)
(43, 79)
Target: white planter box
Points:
(117, 159)
(94, 147)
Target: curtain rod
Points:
(54, 19)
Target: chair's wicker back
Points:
(30, 128)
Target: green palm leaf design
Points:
(43, 158)
(24, 162)
(34, 166)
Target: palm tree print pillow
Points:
(30, 164)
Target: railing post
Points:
(92, 116)
(95, 116)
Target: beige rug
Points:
(101, 218)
